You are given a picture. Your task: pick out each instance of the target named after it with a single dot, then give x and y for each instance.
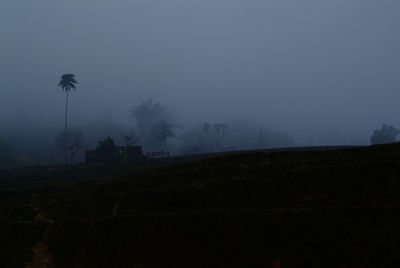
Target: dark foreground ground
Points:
(298, 208)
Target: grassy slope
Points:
(307, 208)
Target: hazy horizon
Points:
(323, 71)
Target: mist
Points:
(319, 72)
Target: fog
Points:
(322, 72)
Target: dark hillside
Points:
(293, 208)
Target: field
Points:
(304, 207)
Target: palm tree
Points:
(67, 82)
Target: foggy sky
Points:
(316, 69)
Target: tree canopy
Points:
(67, 82)
(154, 123)
(387, 134)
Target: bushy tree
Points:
(130, 138)
(161, 132)
(106, 146)
(148, 116)
(387, 134)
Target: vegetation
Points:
(154, 122)
(160, 132)
(130, 139)
(387, 134)
(67, 82)
(107, 145)
(313, 207)
(73, 142)
(231, 136)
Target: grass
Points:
(308, 207)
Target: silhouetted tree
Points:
(161, 132)
(234, 135)
(220, 129)
(106, 146)
(130, 139)
(73, 144)
(67, 82)
(387, 134)
(202, 139)
(148, 114)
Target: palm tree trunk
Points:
(65, 129)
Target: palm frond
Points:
(67, 82)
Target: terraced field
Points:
(310, 207)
